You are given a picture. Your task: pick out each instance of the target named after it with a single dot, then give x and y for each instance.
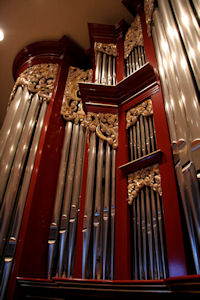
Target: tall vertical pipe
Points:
(113, 187)
(187, 23)
(11, 247)
(59, 197)
(7, 124)
(16, 170)
(106, 207)
(13, 139)
(75, 197)
(88, 201)
(97, 247)
(67, 201)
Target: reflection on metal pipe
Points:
(187, 23)
(97, 243)
(12, 141)
(106, 207)
(59, 197)
(62, 265)
(183, 111)
(75, 199)
(7, 124)
(16, 170)
(12, 242)
(148, 249)
(142, 135)
(135, 60)
(88, 202)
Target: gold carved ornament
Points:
(144, 109)
(133, 36)
(110, 49)
(149, 177)
(148, 9)
(72, 108)
(105, 126)
(38, 79)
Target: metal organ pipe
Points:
(105, 61)
(75, 198)
(7, 124)
(54, 227)
(181, 113)
(15, 227)
(88, 202)
(185, 81)
(12, 141)
(187, 23)
(197, 7)
(97, 224)
(16, 170)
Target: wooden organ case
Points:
(100, 163)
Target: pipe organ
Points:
(99, 163)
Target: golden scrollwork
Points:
(110, 49)
(72, 108)
(148, 9)
(105, 126)
(145, 109)
(149, 176)
(133, 36)
(38, 79)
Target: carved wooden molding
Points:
(72, 108)
(144, 109)
(133, 36)
(148, 9)
(110, 49)
(38, 79)
(149, 176)
(105, 126)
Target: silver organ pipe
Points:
(15, 228)
(19, 141)
(147, 234)
(197, 7)
(140, 125)
(12, 140)
(88, 205)
(63, 227)
(64, 223)
(105, 61)
(134, 54)
(135, 60)
(147, 223)
(182, 109)
(16, 170)
(187, 23)
(7, 124)
(99, 215)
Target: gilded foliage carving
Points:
(149, 176)
(110, 49)
(39, 79)
(72, 105)
(133, 36)
(145, 109)
(105, 126)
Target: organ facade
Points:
(100, 162)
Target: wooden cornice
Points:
(50, 52)
(106, 33)
(111, 96)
